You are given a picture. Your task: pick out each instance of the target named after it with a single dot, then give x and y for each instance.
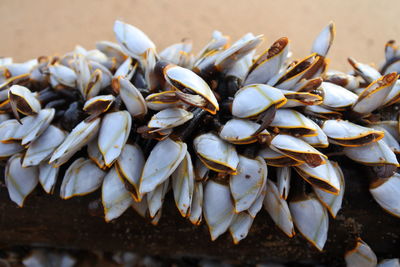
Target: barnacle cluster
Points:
(229, 132)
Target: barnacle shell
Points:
(367, 72)
(247, 184)
(169, 118)
(241, 48)
(304, 69)
(132, 98)
(129, 166)
(111, 50)
(372, 154)
(20, 181)
(361, 255)
(277, 159)
(42, 147)
(218, 208)
(182, 78)
(215, 153)
(79, 136)
(33, 126)
(268, 63)
(239, 131)
(81, 178)
(291, 121)
(336, 97)
(253, 99)
(375, 94)
(297, 149)
(162, 162)
(240, 226)
(125, 70)
(132, 40)
(116, 199)
(60, 74)
(331, 201)
(48, 176)
(113, 134)
(23, 100)
(386, 193)
(278, 209)
(183, 185)
(196, 207)
(283, 181)
(311, 219)
(98, 104)
(324, 40)
(346, 133)
(323, 176)
(155, 198)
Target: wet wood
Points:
(49, 221)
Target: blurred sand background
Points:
(30, 28)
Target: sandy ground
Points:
(43, 27)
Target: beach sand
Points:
(33, 28)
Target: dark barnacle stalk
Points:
(228, 86)
(186, 132)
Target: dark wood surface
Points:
(46, 220)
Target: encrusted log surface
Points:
(49, 221)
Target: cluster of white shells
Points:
(211, 127)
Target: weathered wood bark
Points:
(49, 221)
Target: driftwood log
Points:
(47, 220)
